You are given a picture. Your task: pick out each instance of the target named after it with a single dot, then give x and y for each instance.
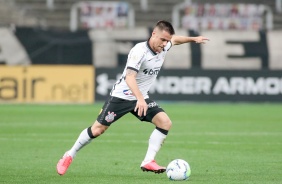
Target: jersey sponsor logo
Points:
(127, 92)
(151, 71)
(110, 117)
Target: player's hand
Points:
(142, 107)
(201, 39)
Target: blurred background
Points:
(69, 51)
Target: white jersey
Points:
(147, 64)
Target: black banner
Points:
(204, 85)
(56, 47)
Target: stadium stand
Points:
(223, 16)
(101, 15)
(18, 15)
(37, 13)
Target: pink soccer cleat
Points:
(64, 164)
(153, 167)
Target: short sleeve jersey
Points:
(147, 64)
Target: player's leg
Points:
(85, 137)
(163, 124)
(113, 109)
(157, 116)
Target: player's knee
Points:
(98, 129)
(161, 120)
(168, 124)
(97, 132)
(165, 124)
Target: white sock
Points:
(155, 142)
(81, 141)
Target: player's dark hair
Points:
(166, 26)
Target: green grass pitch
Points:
(223, 143)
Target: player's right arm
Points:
(130, 80)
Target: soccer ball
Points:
(178, 169)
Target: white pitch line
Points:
(4, 139)
(113, 134)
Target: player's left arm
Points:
(177, 40)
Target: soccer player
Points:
(130, 95)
